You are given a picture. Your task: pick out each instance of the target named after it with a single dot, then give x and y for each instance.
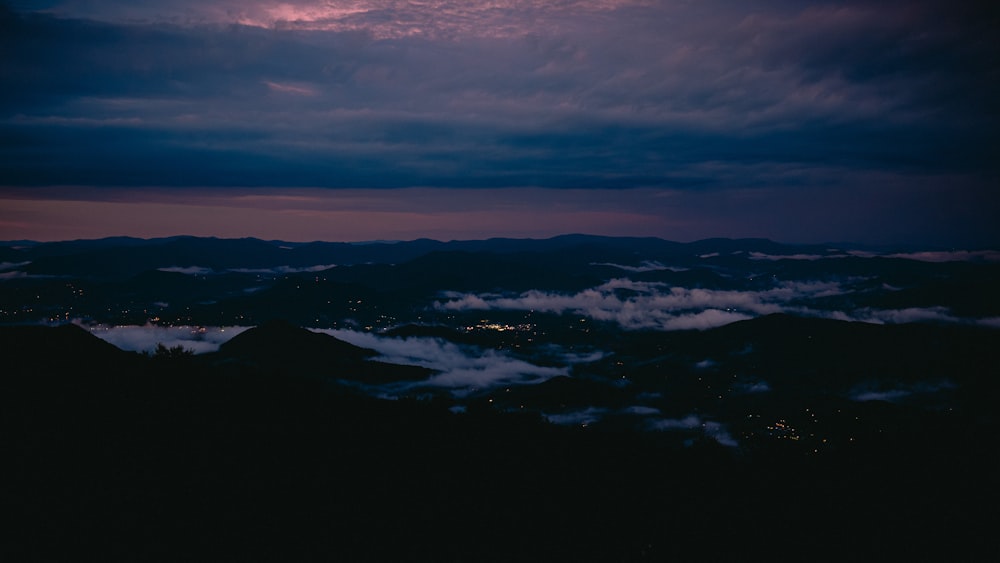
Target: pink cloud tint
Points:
(316, 214)
(382, 19)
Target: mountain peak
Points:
(279, 342)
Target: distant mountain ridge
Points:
(125, 256)
(191, 280)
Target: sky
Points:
(799, 121)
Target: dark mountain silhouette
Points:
(166, 459)
(467, 271)
(50, 349)
(280, 347)
(564, 393)
(10, 255)
(283, 339)
(784, 436)
(124, 256)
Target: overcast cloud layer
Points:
(783, 108)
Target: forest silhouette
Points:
(172, 456)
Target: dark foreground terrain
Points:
(120, 456)
(571, 399)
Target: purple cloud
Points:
(745, 119)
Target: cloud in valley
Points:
(462, 369)
(650, 305)
(914, 315)
(874, 391)
(582, 417)
(810, 257)
(19, 275)
(645, 266)
(277, 270)
(145, 338)
(187, 270)
(637, 305)
(950, 256)
(715, 430)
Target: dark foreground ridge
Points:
(120, 456)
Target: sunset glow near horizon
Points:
(385, 119)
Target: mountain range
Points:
(577, 398)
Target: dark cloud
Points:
(851, 98)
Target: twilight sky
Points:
(868, 121)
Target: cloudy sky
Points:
(871, 121)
